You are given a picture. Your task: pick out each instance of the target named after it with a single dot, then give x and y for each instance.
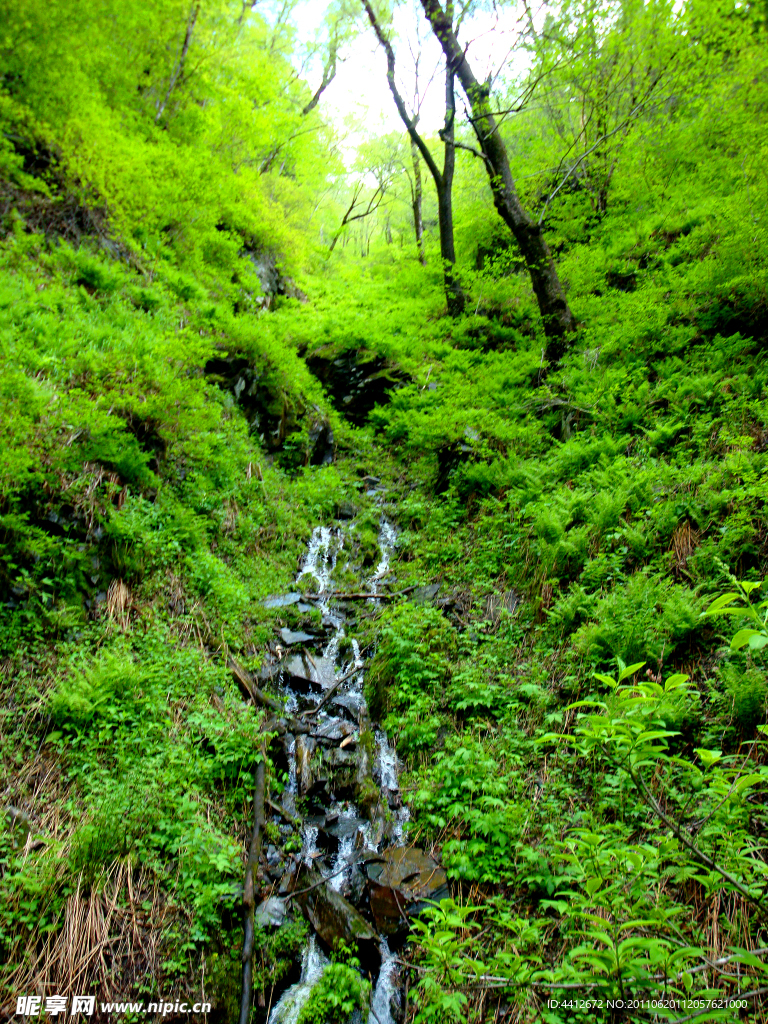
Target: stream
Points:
(345, 773)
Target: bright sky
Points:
(360, 87)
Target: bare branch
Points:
(178, 71)
(329, 73)
(408, 121)
(689, 844)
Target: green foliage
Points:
(611, 828)
(408, 673)
(340, 991)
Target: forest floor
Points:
(582, 752)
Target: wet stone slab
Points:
(289, 637)
(399, 882)
(282, 600)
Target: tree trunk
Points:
(417, 199)
(178, 72)
(558, 320)
(454, 295)
(249, 891)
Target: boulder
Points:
(308, 675)
(289, 637)
(367, 793)
(356, 380)
(399, 882)
(346, 510)
(282, 600)
(270, 913)
(425, 595)
(335, 919)
(341, 767)
(333, 730)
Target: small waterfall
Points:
(309, 834)
(313, 963)
(355, 833)
(387, 765)
(387, 541)
(386, 990)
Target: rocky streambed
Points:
(355, 879)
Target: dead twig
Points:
(249, 897)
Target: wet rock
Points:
(425, 595)
(367, 793)
(272, 412)
(307, 674)
(270, 913)
(305, 776)
(326, 840)
(333, 730)
(274, 282)
(369, 836)
(289, 637)
(335, 919)
(282, 600)
(288, 880)
(322, 447)
(356, 380)
(394, 799)
(399, 883)
(349, 703)
(341, 766)
(346, 510)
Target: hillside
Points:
(320, 597)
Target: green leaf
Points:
(630, 670)
(719, 603)
(742, 638)
(608, 680)
(675, 682)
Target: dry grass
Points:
(685, 540)
(119, 603)
(108, 943)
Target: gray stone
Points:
(282, 600)
(289, 637)
(270, 913)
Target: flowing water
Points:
(354, 830)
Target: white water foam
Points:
(387, 762)
(313, 963)
(383, 994)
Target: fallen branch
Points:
(361, 596)
(347, 675)
(296, 822)
(249, 891)
(324, 879)
(690, 845)
(245, 679)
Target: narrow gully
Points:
(303, 678)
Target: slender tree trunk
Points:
(417, 200)
(556, 315)
(454, 293)
(178, 71)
